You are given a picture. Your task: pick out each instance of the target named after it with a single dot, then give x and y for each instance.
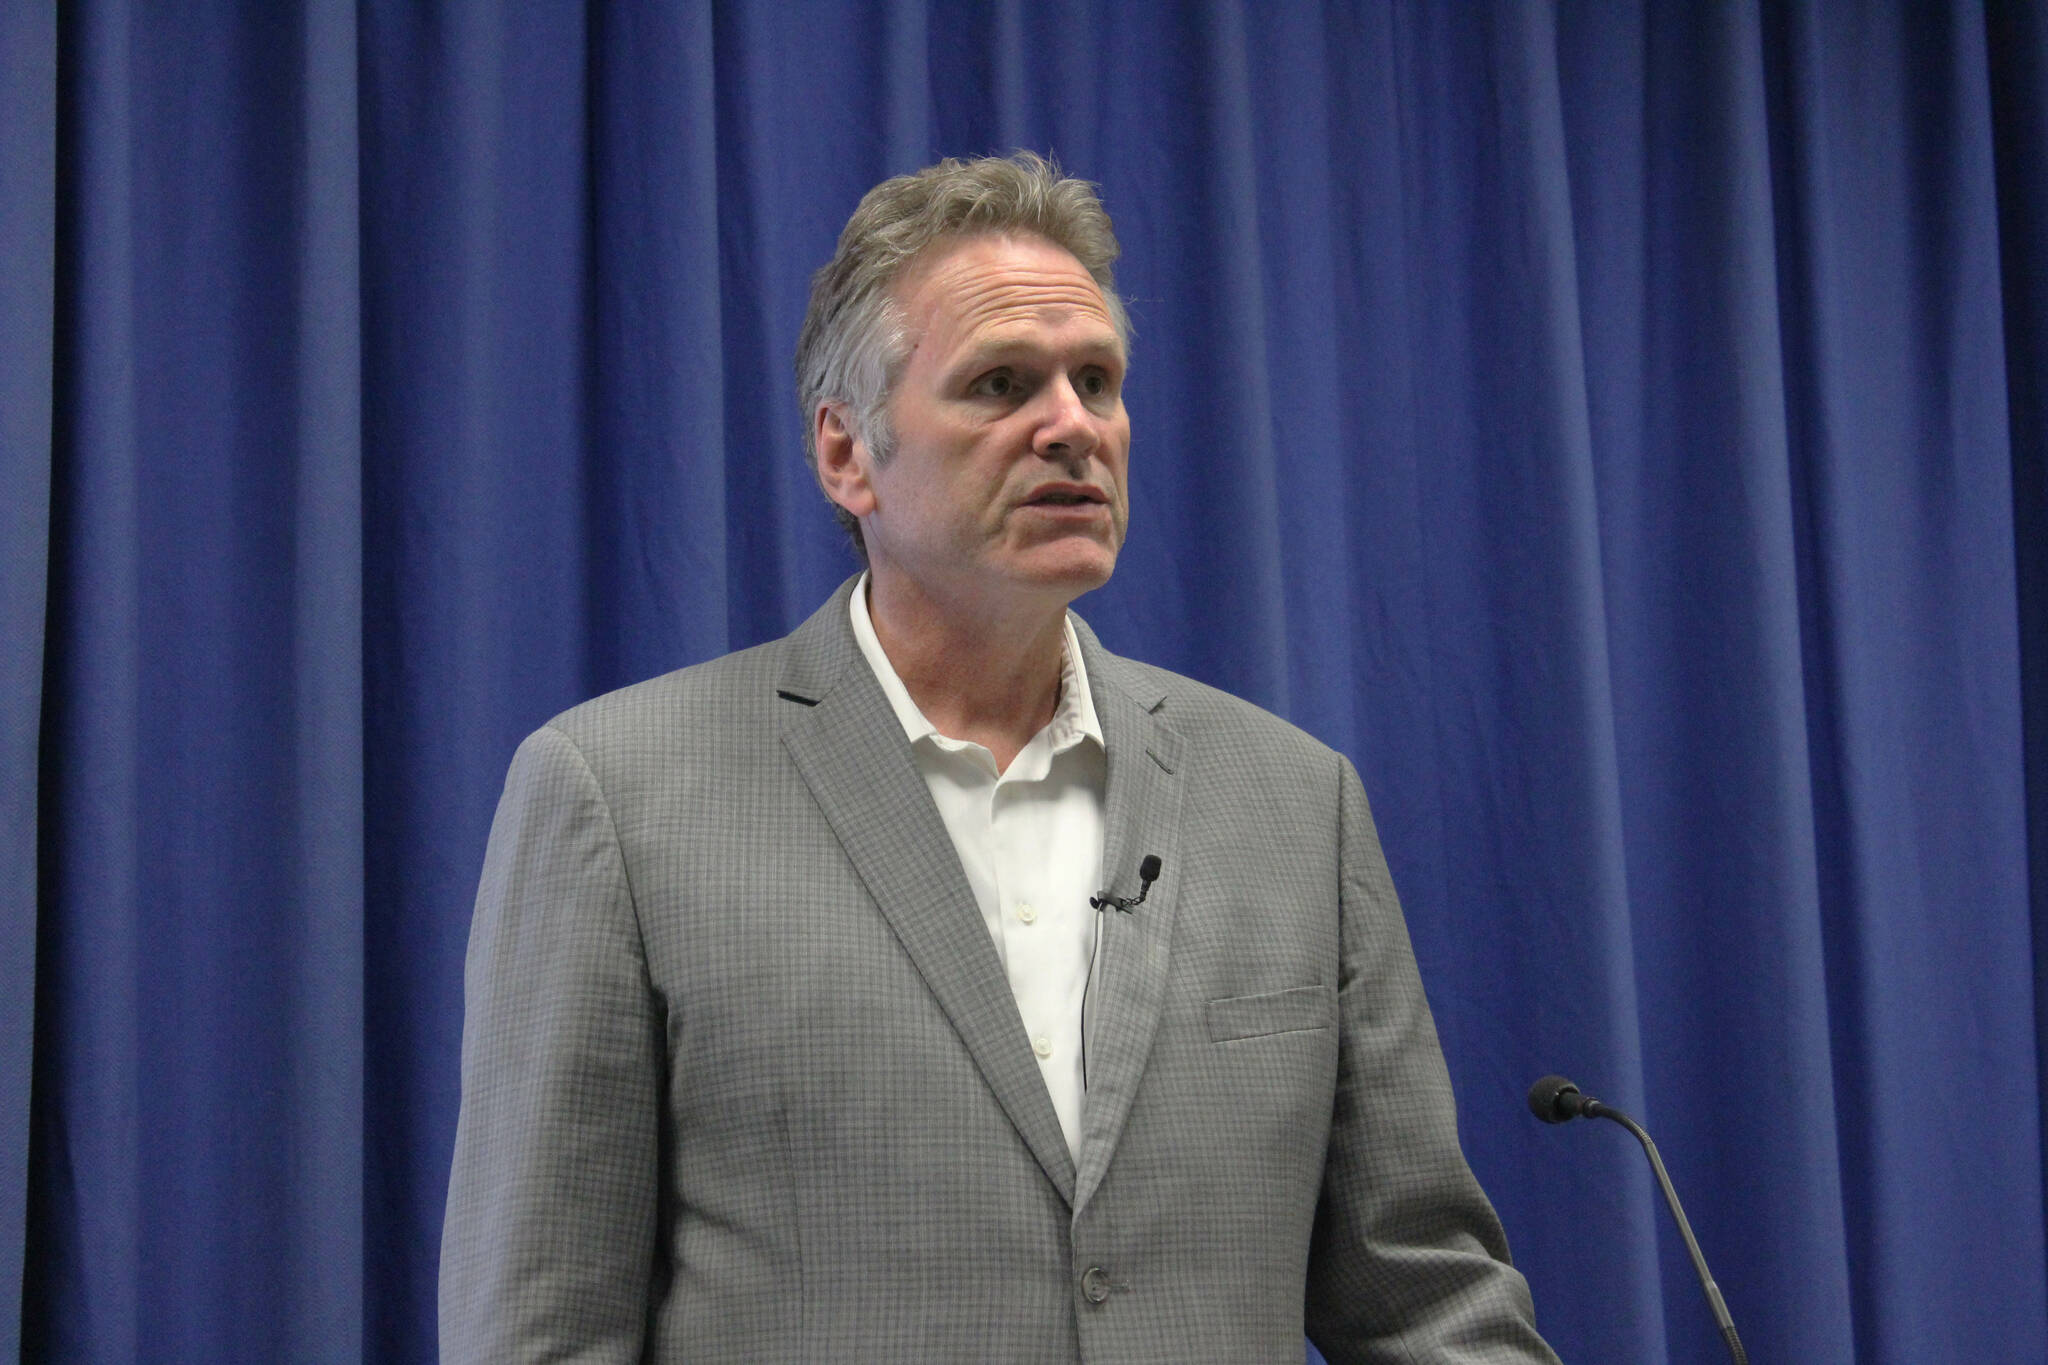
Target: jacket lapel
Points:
(849, 748)
(1146, 756)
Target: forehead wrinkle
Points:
(988, 299)
(974, 295)
(995, 346)
(993, 326)
(999, 305)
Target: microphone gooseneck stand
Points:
(1556, 1100)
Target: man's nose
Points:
(1069, 430)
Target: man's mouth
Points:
(1065, 497)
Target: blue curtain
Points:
(1622, 428)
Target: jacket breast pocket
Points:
(1298, 1010)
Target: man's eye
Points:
(1001, 384)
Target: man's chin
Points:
(1073, 570)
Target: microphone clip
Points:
(1148, 873)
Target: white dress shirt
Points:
(1030, 839)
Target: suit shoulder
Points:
(725, 696)
(1212, 716)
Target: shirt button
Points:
(1095, 1284)
(1027, 912)
(1042, 1046)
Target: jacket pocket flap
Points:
(1288, 1011)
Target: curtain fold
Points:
(2016, 38)
(28, 230)
(1621, 429)
(1700, 553)
(1899, 430)
(196, 1181)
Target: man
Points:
(792, 1034)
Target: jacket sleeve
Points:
(548, 1246)
(1408, 1262)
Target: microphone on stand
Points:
(1556, 1100)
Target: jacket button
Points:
(1095, 1284)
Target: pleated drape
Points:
(1622, 429)
(196, 1178)
(28, 222)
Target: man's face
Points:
(1012, 443)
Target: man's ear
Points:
(843, 460)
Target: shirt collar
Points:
(1073, 717)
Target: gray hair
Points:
(855, 337)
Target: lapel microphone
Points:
(1148, 873)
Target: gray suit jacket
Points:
(743, 1078)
